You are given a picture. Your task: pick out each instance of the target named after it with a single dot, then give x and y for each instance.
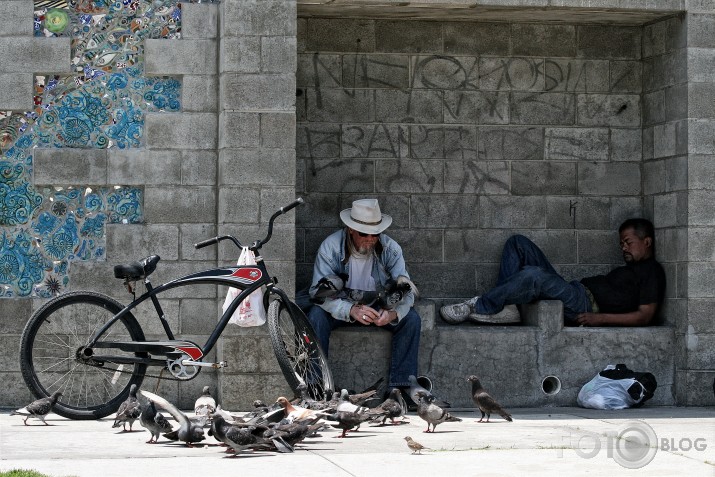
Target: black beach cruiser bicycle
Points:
(92, 348)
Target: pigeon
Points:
(225, 414)
(38, 409)
(394, 292)
(346, 406)
(242, 438)
(486, 404)
(432, 413)
(415, 446)
(153, 421)
(347, 420)
(389, 408)
(368, 393)
(415, 387)
(129, 410)
(219, 428)
(226, 433)
(296, 413)
(309, 403)
(294, 433)
(260, 409)
(329, 286)
(188, 431)
(360, 398)
(205, 404)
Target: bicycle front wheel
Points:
(297, 349)
(50, 361)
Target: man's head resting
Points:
(637, 239)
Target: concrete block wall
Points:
(469, 132)
(256, 170)
(177, 170)
(22, 56)
(696, 333)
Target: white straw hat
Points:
(365, 217)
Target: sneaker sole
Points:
(495, 321)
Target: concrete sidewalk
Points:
(544, 441)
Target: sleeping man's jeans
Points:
(525, 275)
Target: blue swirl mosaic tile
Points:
(102, 105)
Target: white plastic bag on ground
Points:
(251, 311)
(616, 387)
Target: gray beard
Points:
(364, 251)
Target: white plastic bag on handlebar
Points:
(251, 311)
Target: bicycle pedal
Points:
(203, 364)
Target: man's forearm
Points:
(641, 317)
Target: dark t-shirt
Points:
(625, 288)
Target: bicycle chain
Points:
(170, 377)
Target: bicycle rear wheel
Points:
(49, 358)
(298, 350)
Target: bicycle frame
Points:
(248, 278)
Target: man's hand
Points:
(641, 317)
(589, 319)
(364, 314)
(386, 317)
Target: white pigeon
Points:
(205, 404)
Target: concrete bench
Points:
(512, 361)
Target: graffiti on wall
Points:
(101, 105)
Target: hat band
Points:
(365, 223)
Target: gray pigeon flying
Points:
(432, 413)
(415, 387)
(188, 431)
(205, 404)
(38, 409)
(153, 421)
(486, 404)
(129, 410)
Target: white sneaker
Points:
(510, 314)
(459, 312)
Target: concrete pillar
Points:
(256, 157)
(696, 366)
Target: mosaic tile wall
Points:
(102, 105)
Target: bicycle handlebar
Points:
(258, 243)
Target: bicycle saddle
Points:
(137, 270)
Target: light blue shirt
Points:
(389, 265)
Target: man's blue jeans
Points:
(525, 275)
(405, 341)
